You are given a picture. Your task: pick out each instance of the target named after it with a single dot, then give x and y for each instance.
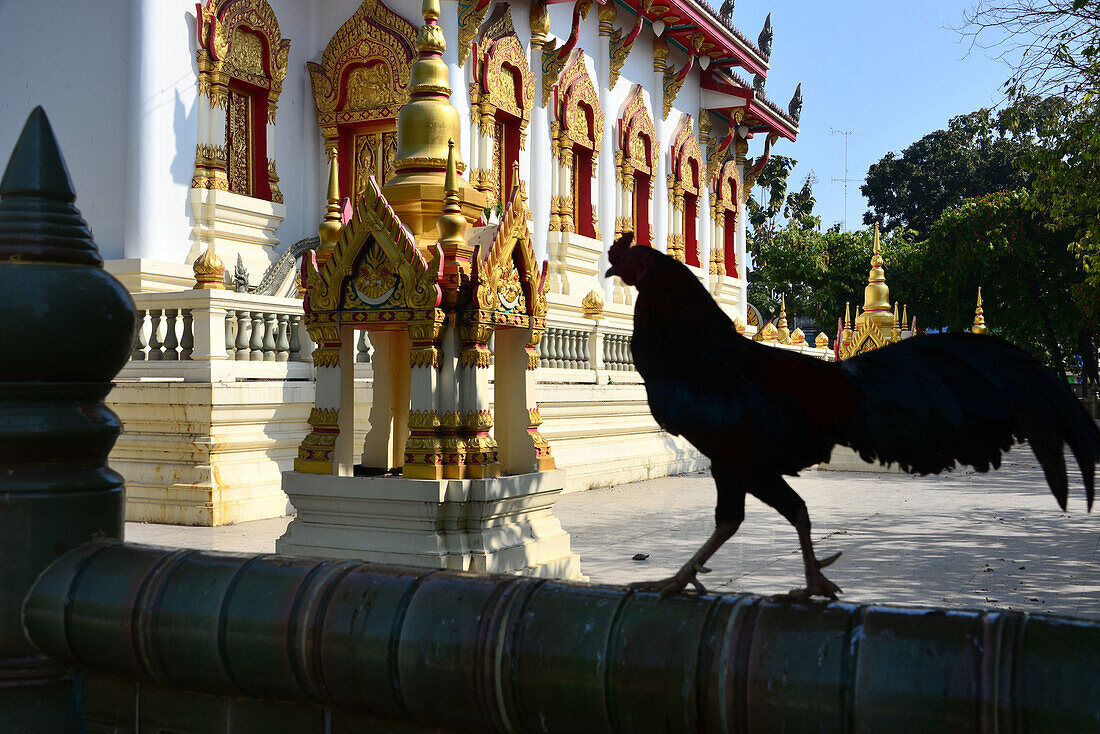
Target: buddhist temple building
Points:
(369, 236)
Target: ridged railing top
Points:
(513, 654)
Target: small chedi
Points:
(877, 324)
(403, 269)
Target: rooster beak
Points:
(610, 272)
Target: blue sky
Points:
(890, 71)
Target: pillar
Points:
(659, 220)
(55, 431)
(540, 160)
(606, 207)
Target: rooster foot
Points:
(816, 583)
(675, 584)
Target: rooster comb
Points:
(620, 246)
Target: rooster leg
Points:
(790, 505)
(688, 572)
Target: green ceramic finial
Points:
(38, 222)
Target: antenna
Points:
(847, 134)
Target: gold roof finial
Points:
(451, 224)
(979, 317)
(905, 316)
(209, 271)
(331, 225)
(847, 315)
(876, 298)
(895, 332)
(783, 334)
(428, 120)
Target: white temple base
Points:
(845, 459)
(501, 525)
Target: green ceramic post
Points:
(68, 328)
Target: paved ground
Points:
(957, 540)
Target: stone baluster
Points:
(282, 343)
(553, 350)
(187, 337)
(628, 356)
(171, 341)
(295, 338)
(363, 349)
(256, 338)
(586, 351)
(243, 326)
(156, 346)
(270, 329)
(230, 338)
(569, 353)
(139, 338)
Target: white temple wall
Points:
(81, 85)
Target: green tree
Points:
(977, 154)
(763, 213)
(819, 272)
(1033, 289)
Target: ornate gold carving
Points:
(239, 144)
(673, 81)
(509, 287)
(209, 271)
(240, 40)
(555, 58)
(637, 135)
(369, 60)
(686, 158)
(822, 340)
(620, 48)
(470, 15)
(676, 246)
(210, 168)
(273, 182)
(540, 23)
(739, 325)
(424, 357)
(502, 78)
(577, 106)
(246, 53)
(374, 225)
(592, 304)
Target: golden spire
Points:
(428, 120)
(451, 224)
(876, 299)
(331, 225)
(905, 316)
(895, 332)
(979, 317)
(783, 334)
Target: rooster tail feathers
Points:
(931, 401)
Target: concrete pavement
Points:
(960, 540)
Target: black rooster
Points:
(759, 413)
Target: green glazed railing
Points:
(514, 654)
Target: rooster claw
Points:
(828, 560)
(674, 584)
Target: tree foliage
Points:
(1050, 44)
(977, 154)
(1031, 284)
(819, 272)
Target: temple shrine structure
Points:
(447, 329)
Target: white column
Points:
(606, 206)
(540, 163)
(661, 205)
(742, 257)
(460, 98)
(343, 457)
(703, 225)
(141, 169)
